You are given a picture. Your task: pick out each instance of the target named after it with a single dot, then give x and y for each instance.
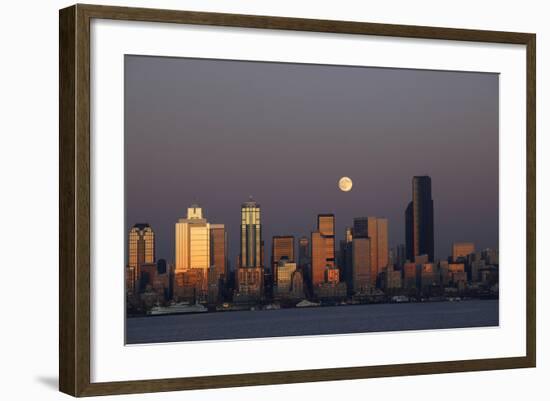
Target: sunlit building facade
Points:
(285, 270)
(217, 273)
(463, 250)
(251, 235)
(322, 248)
(250, 274)
(318, 258)
(193, 241)
(326, 227)
(218, 250)
(383, 252)
(376, 229)
(282, 247)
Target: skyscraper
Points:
(322, 248)
(250, 275)
(345, 259)
(318, 258)
(376, 229)
(251, 235)
(282, 248)
(419, 219)
(218, 250)
(361, 264)
(326, 226)
(382, 253)
(193, 242)
(141, 250)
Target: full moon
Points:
(345, 184)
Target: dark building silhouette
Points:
(161, 266)
(141, 250)
(304, 255)
(419, 220)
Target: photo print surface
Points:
(268, 199)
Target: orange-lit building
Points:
(376, 229)
(322, 248)
(250, 274)
(326, 226)
(462, 250)
(332, 275)
(282, 247)
(409, 275)
(193, 254)
(218, 250)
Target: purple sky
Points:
(215, 132)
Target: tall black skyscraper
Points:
(419, 219)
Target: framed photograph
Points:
(249, 200)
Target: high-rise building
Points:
(192, 254)
(193, 241)
(382, 231)
(282, 247)
(251, 235)
(318, 258)
(250, 275)
(326, 226)
(303, 252)
(361, 264)
(322, 248)
(345, 260)
(376, 229)
(141, 250)
(419, 219)
(462, 250)
(218, 255)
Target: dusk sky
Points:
(215, 132)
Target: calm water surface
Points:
(312, 321)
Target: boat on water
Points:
(398, 299)
(306, 304)
(177, 308)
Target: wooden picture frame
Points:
(74, 204)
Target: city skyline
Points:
(362, 271)
(357, 229)
(299, 156)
